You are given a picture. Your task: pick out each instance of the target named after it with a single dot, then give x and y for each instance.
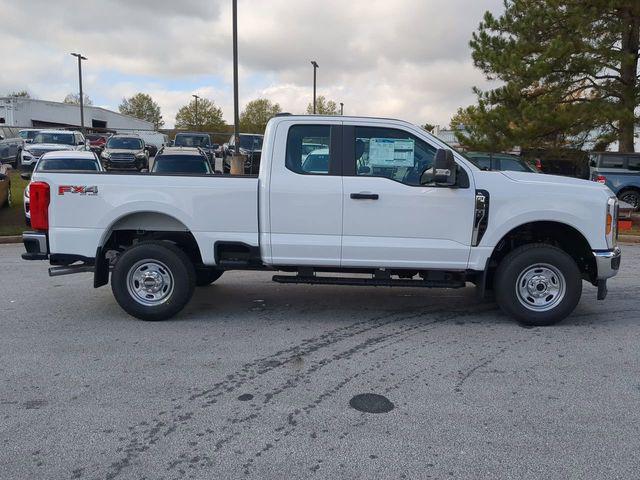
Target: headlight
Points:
(611, 225)
(140, 155)
(105, 155)
(26, 154)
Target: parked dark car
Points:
(196, 140)
(501, 161)
(620, 172)
(250, 148)
(10, 146)
(125, 152)
(182, 160)
(5, 186)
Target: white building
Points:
(28, 112)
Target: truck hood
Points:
(542, 179)
(49, 147)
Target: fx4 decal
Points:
(78, 189)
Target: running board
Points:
(368, 282)
(70, 270)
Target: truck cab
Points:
(337, 200)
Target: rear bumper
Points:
(36, 246)
(607, 262)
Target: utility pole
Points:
(315, 68)
(237, 162)
(80, 58)
(341, 108)
(196, 119)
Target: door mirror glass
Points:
(444, 170)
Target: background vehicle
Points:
(250, 148)
(97, 141)
(60, 161)
(394, 206)
(125, 152)
(51, 141)
(5, 186)
(28, 134)
(182, 160)
(197, 140)
(10, 146)
(620, 172)
(154, 141)
(501, 161)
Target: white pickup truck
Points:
(380, 203)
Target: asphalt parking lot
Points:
(257, 380)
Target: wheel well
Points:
(558, 234)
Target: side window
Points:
(309, 149)
(391, 153)
(613, 161)
(512, 165)
(634, 163)
(483, 162)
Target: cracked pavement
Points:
(254, 380)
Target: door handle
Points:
(365, 196)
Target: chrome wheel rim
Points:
(540, 287)
(150, 282)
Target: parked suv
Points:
(620, 172)
(125, 152)
(196, 140)
(250, 148)
(50, 141)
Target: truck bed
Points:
(212, 208)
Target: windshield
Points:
(191, 140)
(181, 164)
(125, 143)
(55, 164)
(59, 138)
(251, 142)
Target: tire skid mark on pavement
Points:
(252, 370)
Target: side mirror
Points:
(28, 140)
(364, 170)
(25, 176)
(444, 170)
(172, 143)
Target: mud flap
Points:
(602, 289)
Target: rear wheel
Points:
(538, 284)
(153, 280)
(632, 197)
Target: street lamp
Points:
(196, 119)
(341, 108)
(315, 68)
(237, 163)
(80, 58)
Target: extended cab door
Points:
(389, 219)
(305, 194)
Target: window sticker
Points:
(391, 152)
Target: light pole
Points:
(341, 108)
(315, 68)
(80, 58)
(237, 163)
(196, 119)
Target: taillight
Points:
(538, 165)
(601, 179)
(39, 205)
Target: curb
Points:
(11, 239)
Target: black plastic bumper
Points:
(36, 246)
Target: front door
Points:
(389, 219)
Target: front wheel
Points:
(538, 284)
(153, 280)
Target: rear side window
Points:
(309, 149)
(634, 163)
(512, 165)
(612, 161)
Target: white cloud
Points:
(401, 58)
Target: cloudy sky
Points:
(402, 58)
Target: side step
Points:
(454, 282)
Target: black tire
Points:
(540, 271)
(172, 264)
(206, 276)
(632, 197)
